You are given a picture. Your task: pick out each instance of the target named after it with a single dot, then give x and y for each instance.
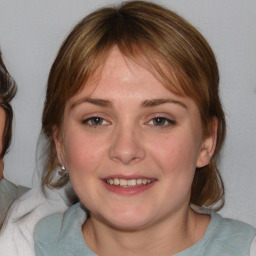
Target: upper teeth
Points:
(131, 182)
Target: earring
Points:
(62, 172)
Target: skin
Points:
(138, 129)
(2, 124)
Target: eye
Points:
(161, 121)
(94, 121)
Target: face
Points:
(2, 125)
(131, 146)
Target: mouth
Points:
(128, 183)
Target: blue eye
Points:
(161, 121)
(94, 121)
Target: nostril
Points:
(125, 147)
(128, 158)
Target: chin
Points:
(126, 221)
(127, 225)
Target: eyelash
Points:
(89, 121)
(164, 122)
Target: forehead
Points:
(122, 77)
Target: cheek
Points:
(82, 156)
(82, 152)
(176, 155)
(176, 158)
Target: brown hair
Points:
(7, 92)
(153, 36)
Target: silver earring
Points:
(62, 172)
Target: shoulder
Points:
(16, 236)
(36, 203)
(48, 229)
(230, 237)
(8, 193)
(230, 226)
(56, 234)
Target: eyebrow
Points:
(157, 102)
(146, 103)
(97, 102)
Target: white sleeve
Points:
(16, 235)
(253, 248)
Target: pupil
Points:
(96, 121)
(159, 121)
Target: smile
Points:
(128, 183)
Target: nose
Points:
(126, 146)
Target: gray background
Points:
(31, 32)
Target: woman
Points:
(133, 117)
(7, 92)
(8, 191)
(17, 226)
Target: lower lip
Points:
(128, 191)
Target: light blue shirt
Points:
(61, 235)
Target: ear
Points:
(58, 145)
(208, 144)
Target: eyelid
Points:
(87, 118)
(86, 121)
(164, 118)
(171, 120)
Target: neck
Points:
(167, 237)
